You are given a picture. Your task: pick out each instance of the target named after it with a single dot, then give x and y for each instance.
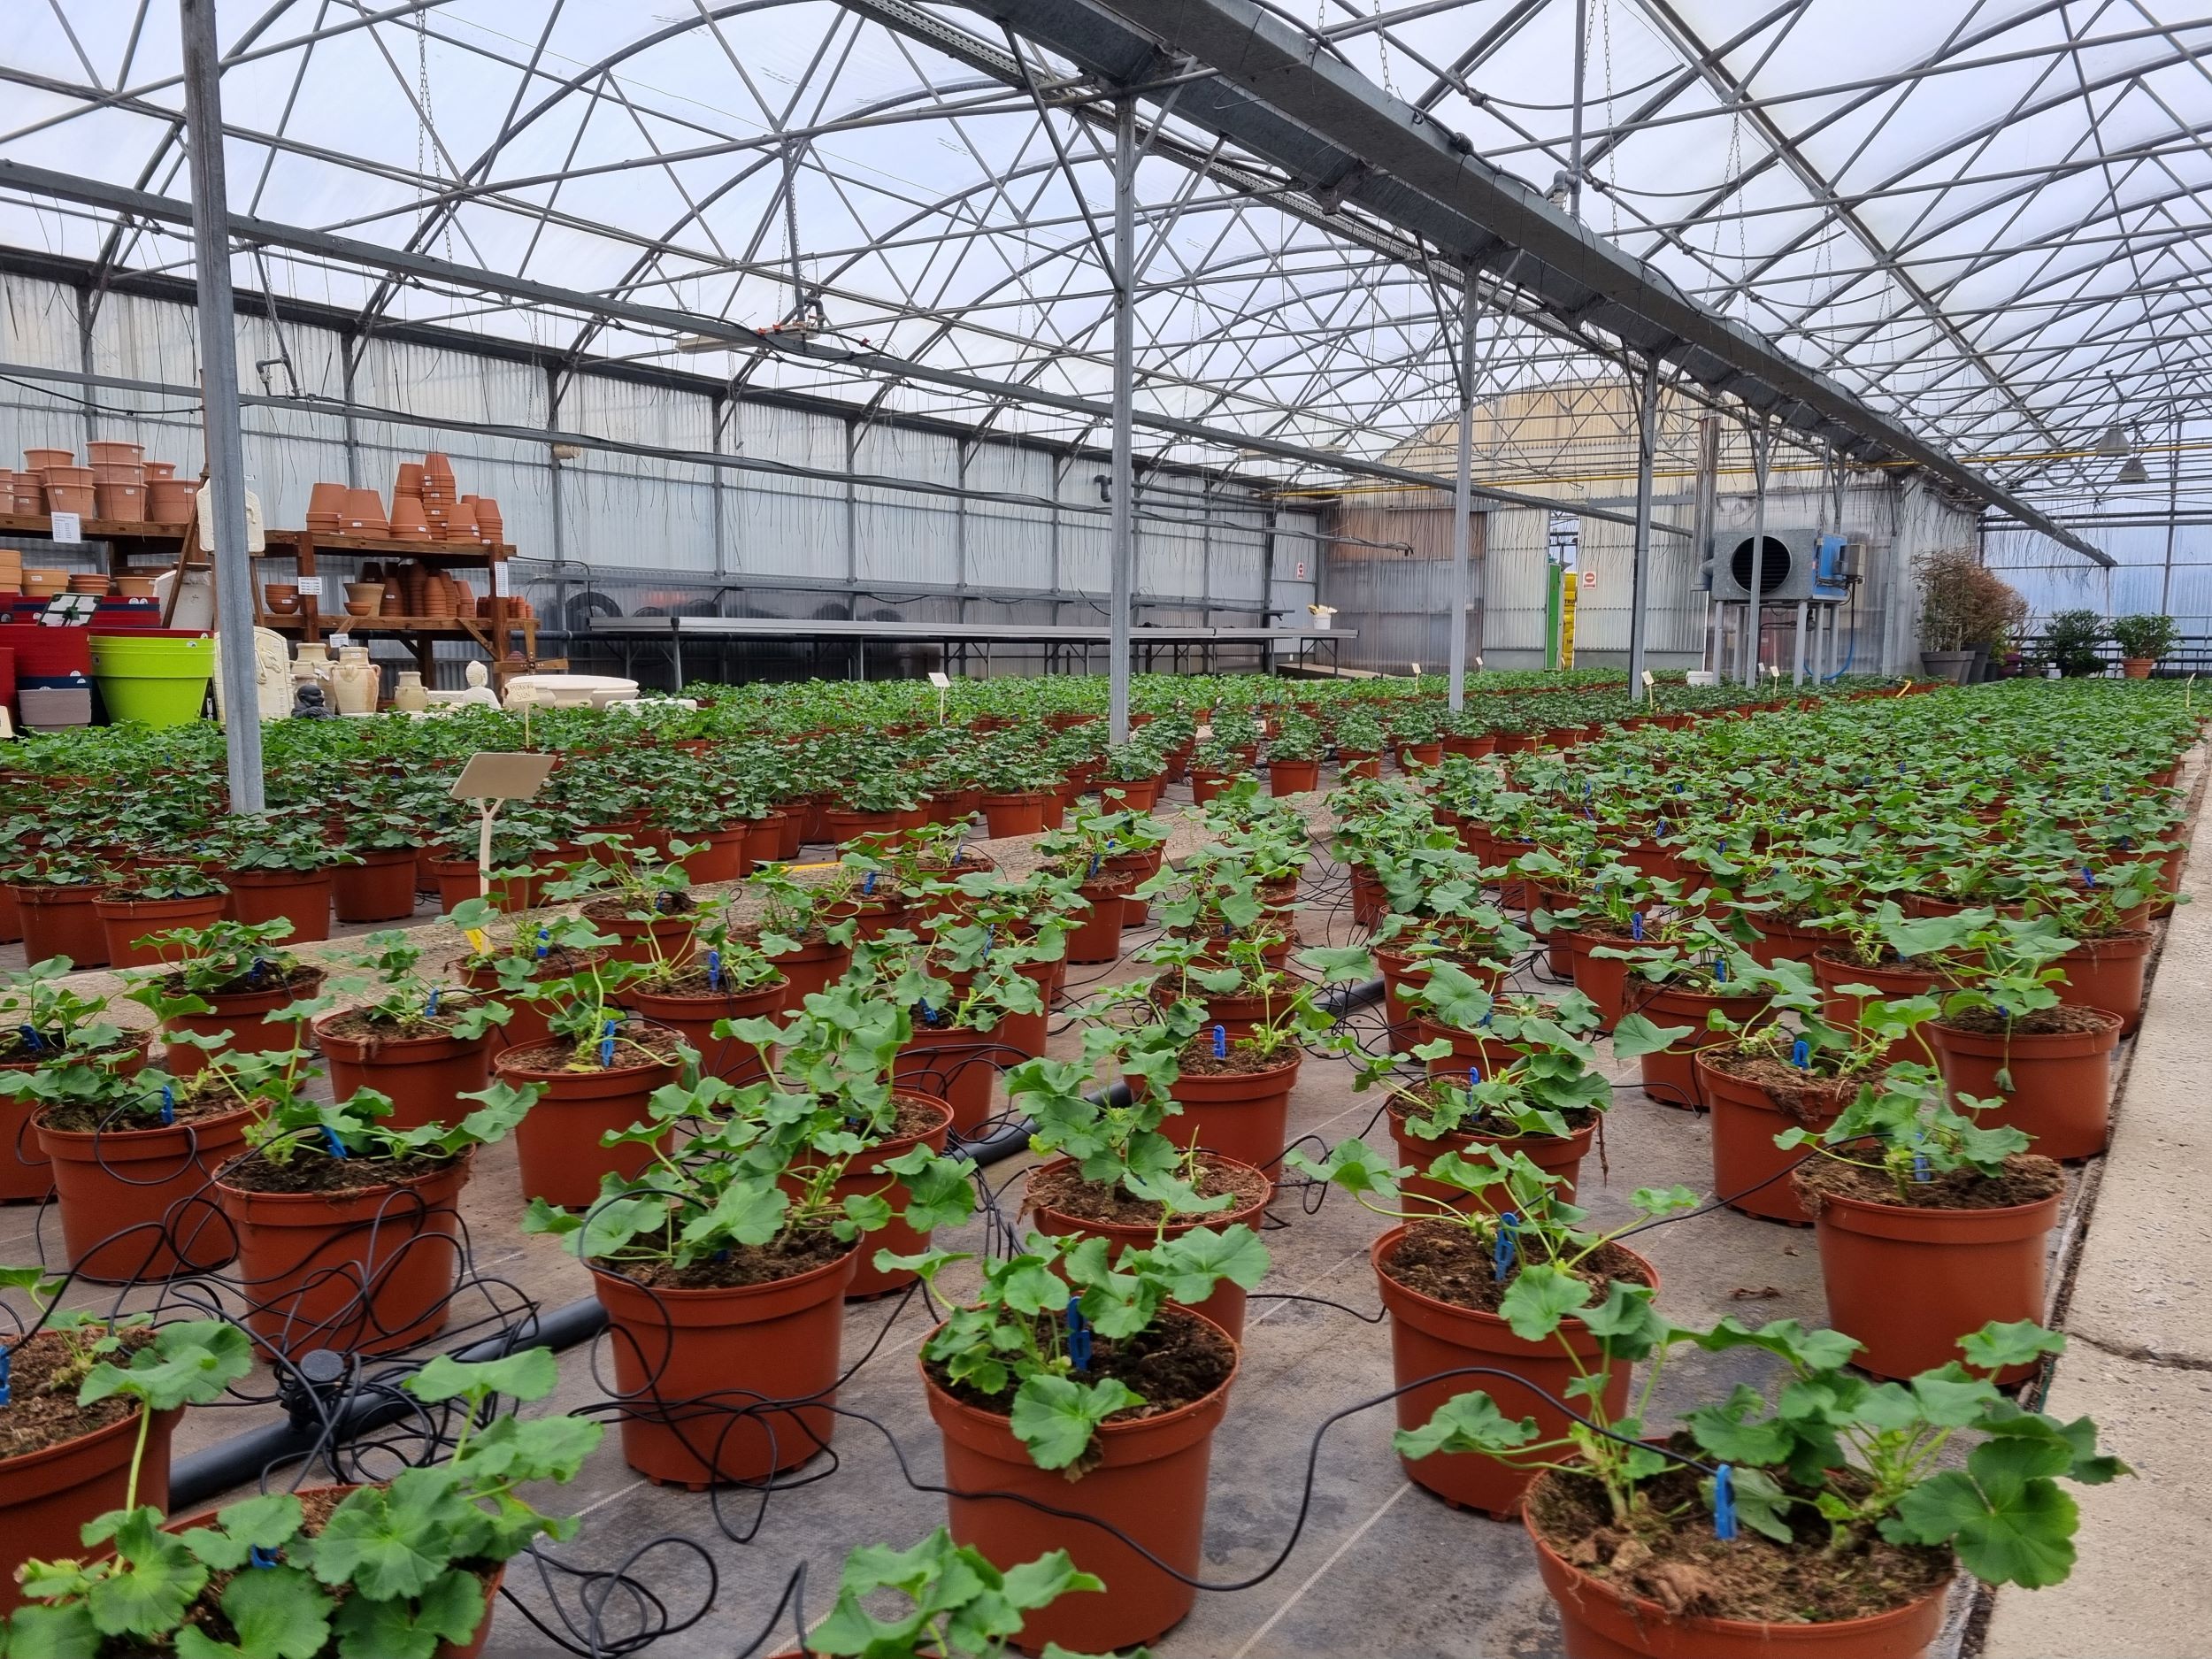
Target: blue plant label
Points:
(1636, 924)
(1724, 1502)
(431, 1010)
(31, 1036)
(1221, 1042)
(257, 1556)
(1801, 1054)
(1501, 1250)
(7, 1362)
(330, 1139)
(868, 886)
(544, 943)
(606, 1047)
(714, 969)
(1079, 1335)
(1720, 972)
(168, 1105)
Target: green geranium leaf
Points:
(391, 1542)
(528, 1374)
(1636, 1036)
(190, 1362)
(1466, 1423)
(1997, 1347)
(164, 1578)
(1055, 1417)
(449, 1610)
(1540, 1297)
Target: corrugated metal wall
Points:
(638, 533)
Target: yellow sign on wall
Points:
(1569, 584)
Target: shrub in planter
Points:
(723, 1267)
(1294, 757)
(348, 1222)
(2142, 639)
(282, 868)
(599, 1066)
(1685, 969)
(727, 977)
(1884, 953)
(379, 884)
(418, 1041)
(955, 990)
(1098, 1404)
(507, 960)
(43, 1022)
(1820, 1521)
(1491, 1279)
(92, 1404)
(632, 894)
(1930, 1223)
(521, 852)
(54, 890)
(404, 1567)
(810, 945)
(230, 980)
(1130, 777)
(137, 911)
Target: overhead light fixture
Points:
(2115, 441)
(705, 342)
(2133, 472)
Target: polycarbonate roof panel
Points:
(1987, 220)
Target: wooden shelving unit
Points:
(144, 549)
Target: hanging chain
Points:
(423, 116)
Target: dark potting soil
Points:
(192, 1101)
(43, 1410)
(1803, 1095)
(631, 1053)
(313, 1170)
(694, 980)
(1177, 1361)
(1448, 1263)
(2066, 1019)
(1067, 1192)
(1198, 1059)
(1852, 956)
(558, 962)
(786, 1255)
(365, 1026)
(2027, 1180)
(1667, 1553)
(301, 980)
(615, 909)
(17, 1053)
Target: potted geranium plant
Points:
(43, 1021)
(283, 867)
(420, 1041)
(725, 977)
(959, 1605)
(2143, 640)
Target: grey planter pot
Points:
(1954, 666)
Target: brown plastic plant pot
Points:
(764, 841)
(460, 879)
(135, 1202)
(1907, 1284)
(2109, 973)
(693, 1018)
(301, 898)
(61, 922)
(1149, 1485)
(1598, 1620)
(865, 1178)
(1237, 1013)
(10, 916)
(842, 825)
(814, 966)
(126, 920)
(1098, 938)
(1131, 794)
(1244, 1116)
(1026, 1034)
(424, 1076)
(1671, 1076)
(668, 938)
(1021, 813)
(46, 1496)
(370, 1272)
(1750, 1172)
(719, 855)
(1428, 1337)
(1292, 777)
(380, 888)
(1473, 1053)
(687, 1361)
(1555, 1155)
(1136, 912)
(1778, 942)
(556, 1143)
(1841, 1008)
(27, 1173)
(957, 1065)
(2057, 1088)
(1225, 1306)
(246, 1017)
(1603, 979)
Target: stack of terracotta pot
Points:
(327, 508)
(169, 499)
(64, 487)
(426, 507)
(119, 481)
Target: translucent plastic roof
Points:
(1988, 219)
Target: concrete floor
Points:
(1381, 1567)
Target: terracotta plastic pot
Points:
(1098, 938)
(299, 896)
(245, 1015)
(1670, 1075)
(1598, 1620)
(460, 879)
(1370, 903)
(2057, 1088)
(1555, 1155)
(115, 1187)
(1909, 1283)
(864, 1178)
(693, 1018)
(1603, 979)
(1779, 941)
(956, 1065)
(557, 1144)
(1149, 1484)
(1840, 1008)
(1749, 1171)
(685, 1361)
(1018, 814)
(1238, 1014)
(371, 1272)
(1358, 764)
(1244, 1116)
(1225, 1306)
(1130, 795)
(1292, 777)
(2107, 973)
(721, 855)
(842, 825)
(25, 1171)
(47, 1496)
(424, 1075)
(11, 912)
(1473, 1053)
(380, 888)
(765, 840)
(1026, 1034)
(812, 967)
(1428, 1337)
(664, 939)
(125, 920)
(61, 922)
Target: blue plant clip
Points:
(1079, 1335)
(990, 937)
(714, 969)
(330, 1139)
(544, 943)
(956, 854)
(1724, 1502)
(168, 1105)
(1720, 972)
(1474, 1075)
(1636, 924)
(1801, 1054)
(431, 1011)
(7, 1362)
(257, 1556)
(1221, 1042)
(1501, 1250)
(606, 1047)
(1094, 870)
(2087, 879)
(31, 1036)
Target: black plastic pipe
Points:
(239, 1460)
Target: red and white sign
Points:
(1589, 579)
(1300, 576)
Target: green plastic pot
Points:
(156, 681)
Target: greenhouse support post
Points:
(1121, 552)
(1755, 610)
(1462, 493)
(219, 400)
(1640, 577)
